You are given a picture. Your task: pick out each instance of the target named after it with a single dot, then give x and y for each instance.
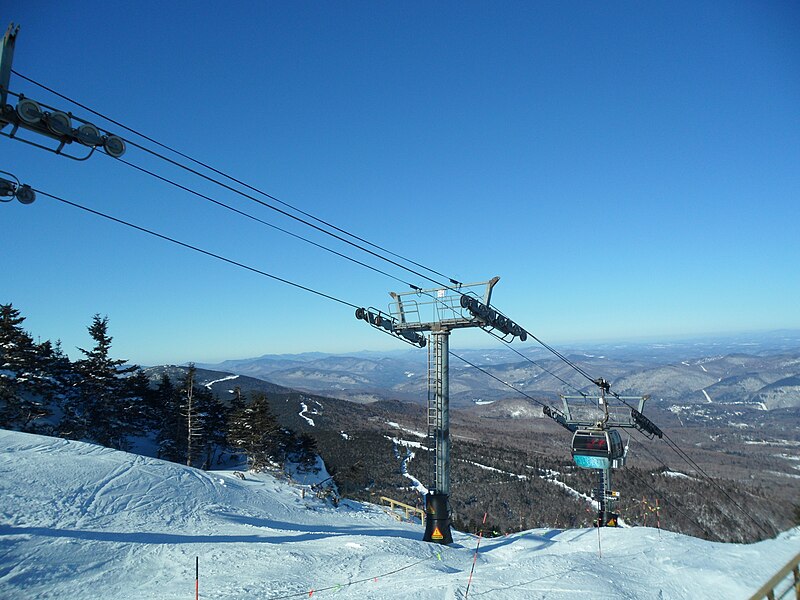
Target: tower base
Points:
(437, 519)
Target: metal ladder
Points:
(433, 414)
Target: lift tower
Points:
(439, 311)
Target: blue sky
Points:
(630, 170)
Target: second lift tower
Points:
(439, 311)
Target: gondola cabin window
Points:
(595, 449)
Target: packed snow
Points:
(416, 484)
(228, 378)
(80, 521)
(303, 411)
(678, 475)
(419, 434)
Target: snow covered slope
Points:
(79, 521)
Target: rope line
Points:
(339, 586)
(680, 452)
(533, 362)
(674, 505)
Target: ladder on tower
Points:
(433, 414)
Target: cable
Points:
(252, 188)
(667, 468)
(453, 281)
(686, 458)
(505, 383)
(533, 362)
(275, 227)
(249, 216)
(282, 230)
(196, 249)
(564, 358)
(690, 461)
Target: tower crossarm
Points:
(645, 425)
(558, 417)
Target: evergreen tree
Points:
(237, 403)
(305, 452)
(144, 412)
(24, 392)
(56, 383)
(254, 431)
(192, 421)
(190, 412)
(171, 437)
(104, 410)
(214, 416)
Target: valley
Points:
(512, 462)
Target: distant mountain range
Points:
(748, 372)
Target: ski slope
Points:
(78, 521)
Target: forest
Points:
(105, 400)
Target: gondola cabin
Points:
(597, 449)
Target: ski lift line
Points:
(452, 281)
(281, 211)
(263, 222)
(240, 182)
(197, 249)
(533, 362)
(580, 370)
(557, 354)
(321, 246)
(505, 383)
(673, 502)
(277, 228)
(668, 468)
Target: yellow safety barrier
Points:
(790, 574)
(408, 509)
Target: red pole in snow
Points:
(475, 558)
(196, 578)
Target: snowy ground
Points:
(78, 521)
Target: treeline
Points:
(106, 401)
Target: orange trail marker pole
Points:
(475, 558)
(658, 519)
(196, 578)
